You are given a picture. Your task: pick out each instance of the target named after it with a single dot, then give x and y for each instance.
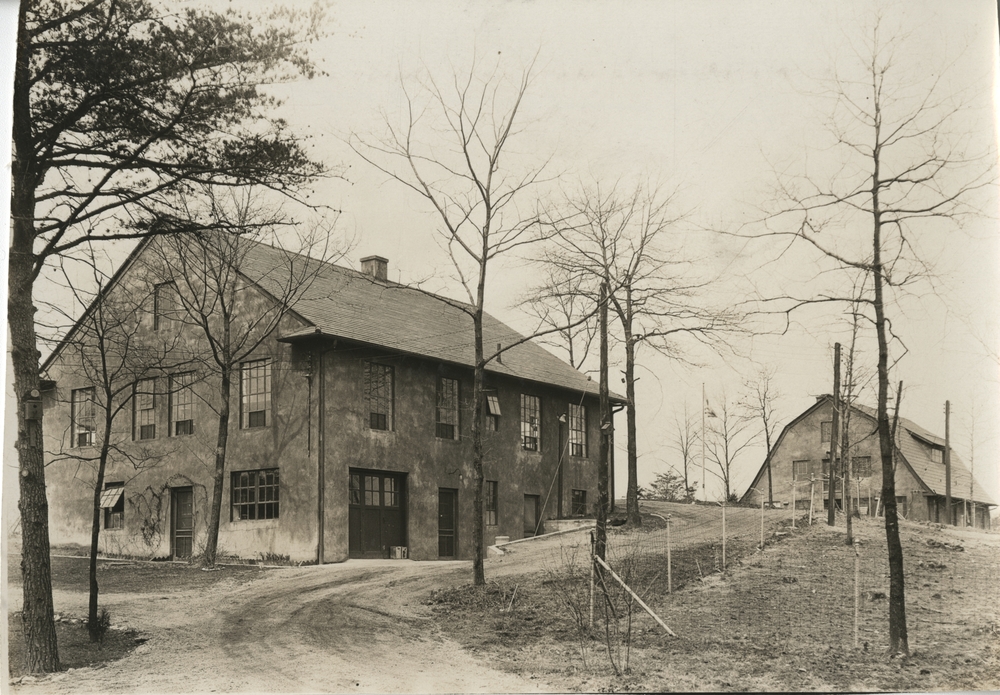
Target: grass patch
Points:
(75, 648)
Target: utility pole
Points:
(831, 514)
(601, 542)
(947, 463)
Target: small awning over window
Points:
(492, 404)
(110, 497)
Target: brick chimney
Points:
(375, 266)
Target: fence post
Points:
(762, 522)
(592, 569)
(812, 487)
(793, 502)
(857, 589)
(670, 569)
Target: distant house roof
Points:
(344, 303)
(913, 442)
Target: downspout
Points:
(321, 457)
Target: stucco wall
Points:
(802, 442)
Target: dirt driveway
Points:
(360, 626)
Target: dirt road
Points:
(359, 626)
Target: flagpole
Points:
(704, 492)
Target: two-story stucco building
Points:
(350, 433)
(800, 460)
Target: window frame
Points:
(143, 417)
(492, 405)
(114, 516)
(78, 418)
(491, 502)
(578, 502)
(937, 455)
(577, 438)
(256, 509)
(531, 432)
(161, 318)
(374, 398)
(248, 378)
(826, 432)
(180, 384)
(802, 466)
(855, 460)
(447, 421)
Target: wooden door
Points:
(181, 523)
(377, 515)
(447, 522)
(531, 503)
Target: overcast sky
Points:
(710, 97)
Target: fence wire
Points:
(770, 580)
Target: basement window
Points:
(113, 504)
(579, 503)
(255, 495)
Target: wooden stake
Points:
(857, 590)
(636, 597)
(762, 522)
(670, 575)
(723, 536)
(812, 496)
(592, 570)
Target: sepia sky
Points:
(713, 98)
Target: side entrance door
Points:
(377, 517)
(181, 522)
(447, 522)
(531, 503)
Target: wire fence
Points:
(772, 579)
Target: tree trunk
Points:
(478, 530)
(219, 477)
(37, 615)
(632, 496)
(898, 642)
(95, 529)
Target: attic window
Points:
(937, 455)
(826, 428)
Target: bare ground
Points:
(360, 626)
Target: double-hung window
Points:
(255, 495)
(447, 409)
(113, 504)
(577, 430)
(255, 393)
(492, 412)
(84, 425)
(531, 413)
(490, 503)
(144, 409)
(825, 431)
(182, 404)
(378, 395)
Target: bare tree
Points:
(208, 277)
(105, 347)
(622, 238)
(903, 170)
(730, 434)
(685, 437)
(564, 306)
(759, 401)
(455, 152)
(116, 105)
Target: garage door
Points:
(377, 520)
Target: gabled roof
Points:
(914, 444)
(347, 304)
(344, 303)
